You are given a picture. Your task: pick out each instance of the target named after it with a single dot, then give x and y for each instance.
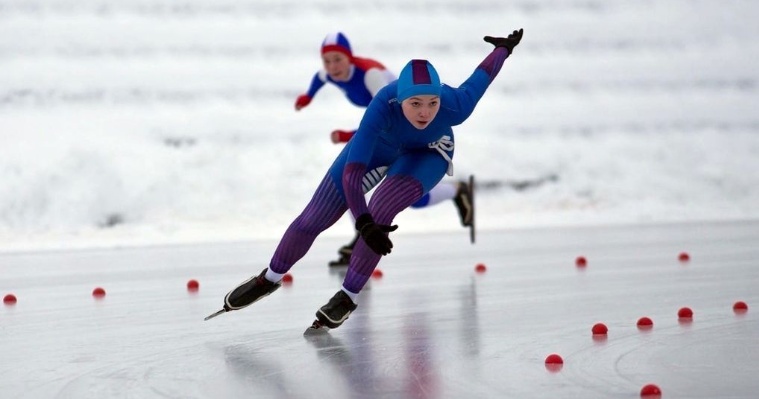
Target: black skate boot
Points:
(345, 253)
(344, 259)
(336, 311)
(249, 291)
(464, 204)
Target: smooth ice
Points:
(431, 327)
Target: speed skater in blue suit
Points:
(360, 79)
(404, 145)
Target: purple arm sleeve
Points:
(494, 61)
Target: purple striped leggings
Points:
(393, 195)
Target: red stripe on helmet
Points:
(419, 72)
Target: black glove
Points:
(375, 235)
(509, 43)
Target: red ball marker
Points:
(650, 391)
(193, 285)
(554, 358)
(554, 363)
(645, 323)
(599, 329)
(740, 307)
(9, 299)
(98, 292)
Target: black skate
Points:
(464, 201)
(345, 253)
(247, 293)
(336, 311)
(344, 259)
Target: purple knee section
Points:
(362, 264)
(395, 194)
(326, 208)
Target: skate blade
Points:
(212, 315)
(339, 263)
(471, 224)
(317, 328)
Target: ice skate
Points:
(336, 311)
(345, 253)
(464, 201)
(316, 329)
(250, 291)
(247, 293)
(464, 204)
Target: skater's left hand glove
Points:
(375, 235)
(509, 43)
(302, 101)
(341, 136)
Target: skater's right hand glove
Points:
(302, 101)
(375, 235)
(509, 43)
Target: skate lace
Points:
(443, 146)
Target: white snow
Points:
(149, 121)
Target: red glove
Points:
(341, 136)
(302, 101)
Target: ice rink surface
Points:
(430, 327)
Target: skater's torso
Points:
(367, 76)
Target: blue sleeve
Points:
(464, 98)
(316, 84)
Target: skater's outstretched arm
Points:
(471, 91)
(316, 83)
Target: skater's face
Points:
(337, 65)
(421, 110)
